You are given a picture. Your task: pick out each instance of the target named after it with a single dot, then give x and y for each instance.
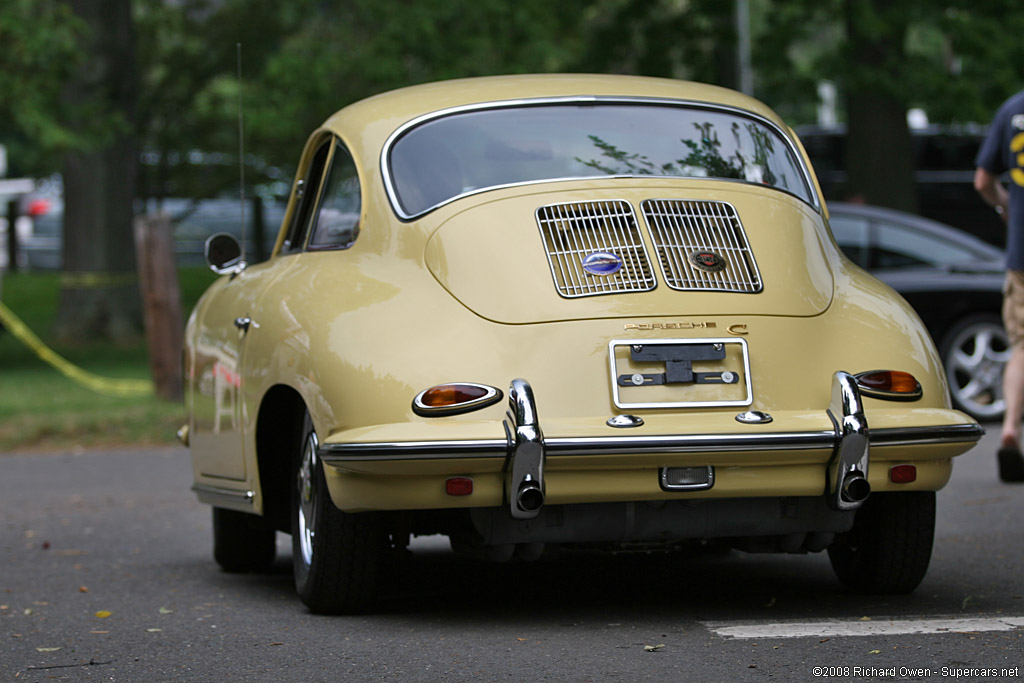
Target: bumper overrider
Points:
(525, 450)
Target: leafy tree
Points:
(39, 39)
(99, 296)
(957, 60)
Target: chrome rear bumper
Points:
(525, 449)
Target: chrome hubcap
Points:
(974, 368)
(306, 482)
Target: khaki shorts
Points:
(1013, 306)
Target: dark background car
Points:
(943, 174)
(952, 279)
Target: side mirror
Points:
(224, 253)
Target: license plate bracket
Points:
(725, 361)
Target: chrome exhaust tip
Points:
(856, 488)
(530, 498)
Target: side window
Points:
(899, 247)
(852, 236)
(308, 189)
(336, 225)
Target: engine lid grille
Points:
(701, 245)
(604, 237)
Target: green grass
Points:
(42, 409)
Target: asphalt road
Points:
(106, 574)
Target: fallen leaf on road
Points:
(48, 649)
(83, 589)
(653, 648)
(103, 614)
(164, 610)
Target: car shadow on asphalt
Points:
(583, 584)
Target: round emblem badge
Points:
(708, 261)
(602, 263)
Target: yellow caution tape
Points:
(93, 280)
(101, 385)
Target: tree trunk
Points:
(879, 149)
(99, 292)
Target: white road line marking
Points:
(872, 627)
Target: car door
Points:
(230, 317)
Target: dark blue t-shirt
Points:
(1001, 152)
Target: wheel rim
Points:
(974, 368)
(306, 483)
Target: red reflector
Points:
(458, 486)
(903, 474)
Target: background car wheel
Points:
(242, 542)
(335, 555)
(890, 545)
(975, 351)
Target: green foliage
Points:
(40, 408)
(304, 59)
(957, 60)
(38, 52)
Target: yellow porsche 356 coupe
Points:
(560, 310)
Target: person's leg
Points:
(1011, 462)
(1013, 394)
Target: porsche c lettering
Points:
(671, 326)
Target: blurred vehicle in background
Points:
(42, 215)
(943, 174)
(952, 279)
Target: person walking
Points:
(1001, 152)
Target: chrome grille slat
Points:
(680, 228)
(573, 231)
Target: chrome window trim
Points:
(396, 206)
(681, 404)
(340, 453)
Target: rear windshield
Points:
(472, 151)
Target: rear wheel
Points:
(890, 545)
(242, 542)
(335, 555)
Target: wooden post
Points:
(161, 301)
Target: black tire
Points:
(335, 555)
(242, 542)
(974, 353)
(890, 545)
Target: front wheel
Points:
(335, 555)
(890, 545)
